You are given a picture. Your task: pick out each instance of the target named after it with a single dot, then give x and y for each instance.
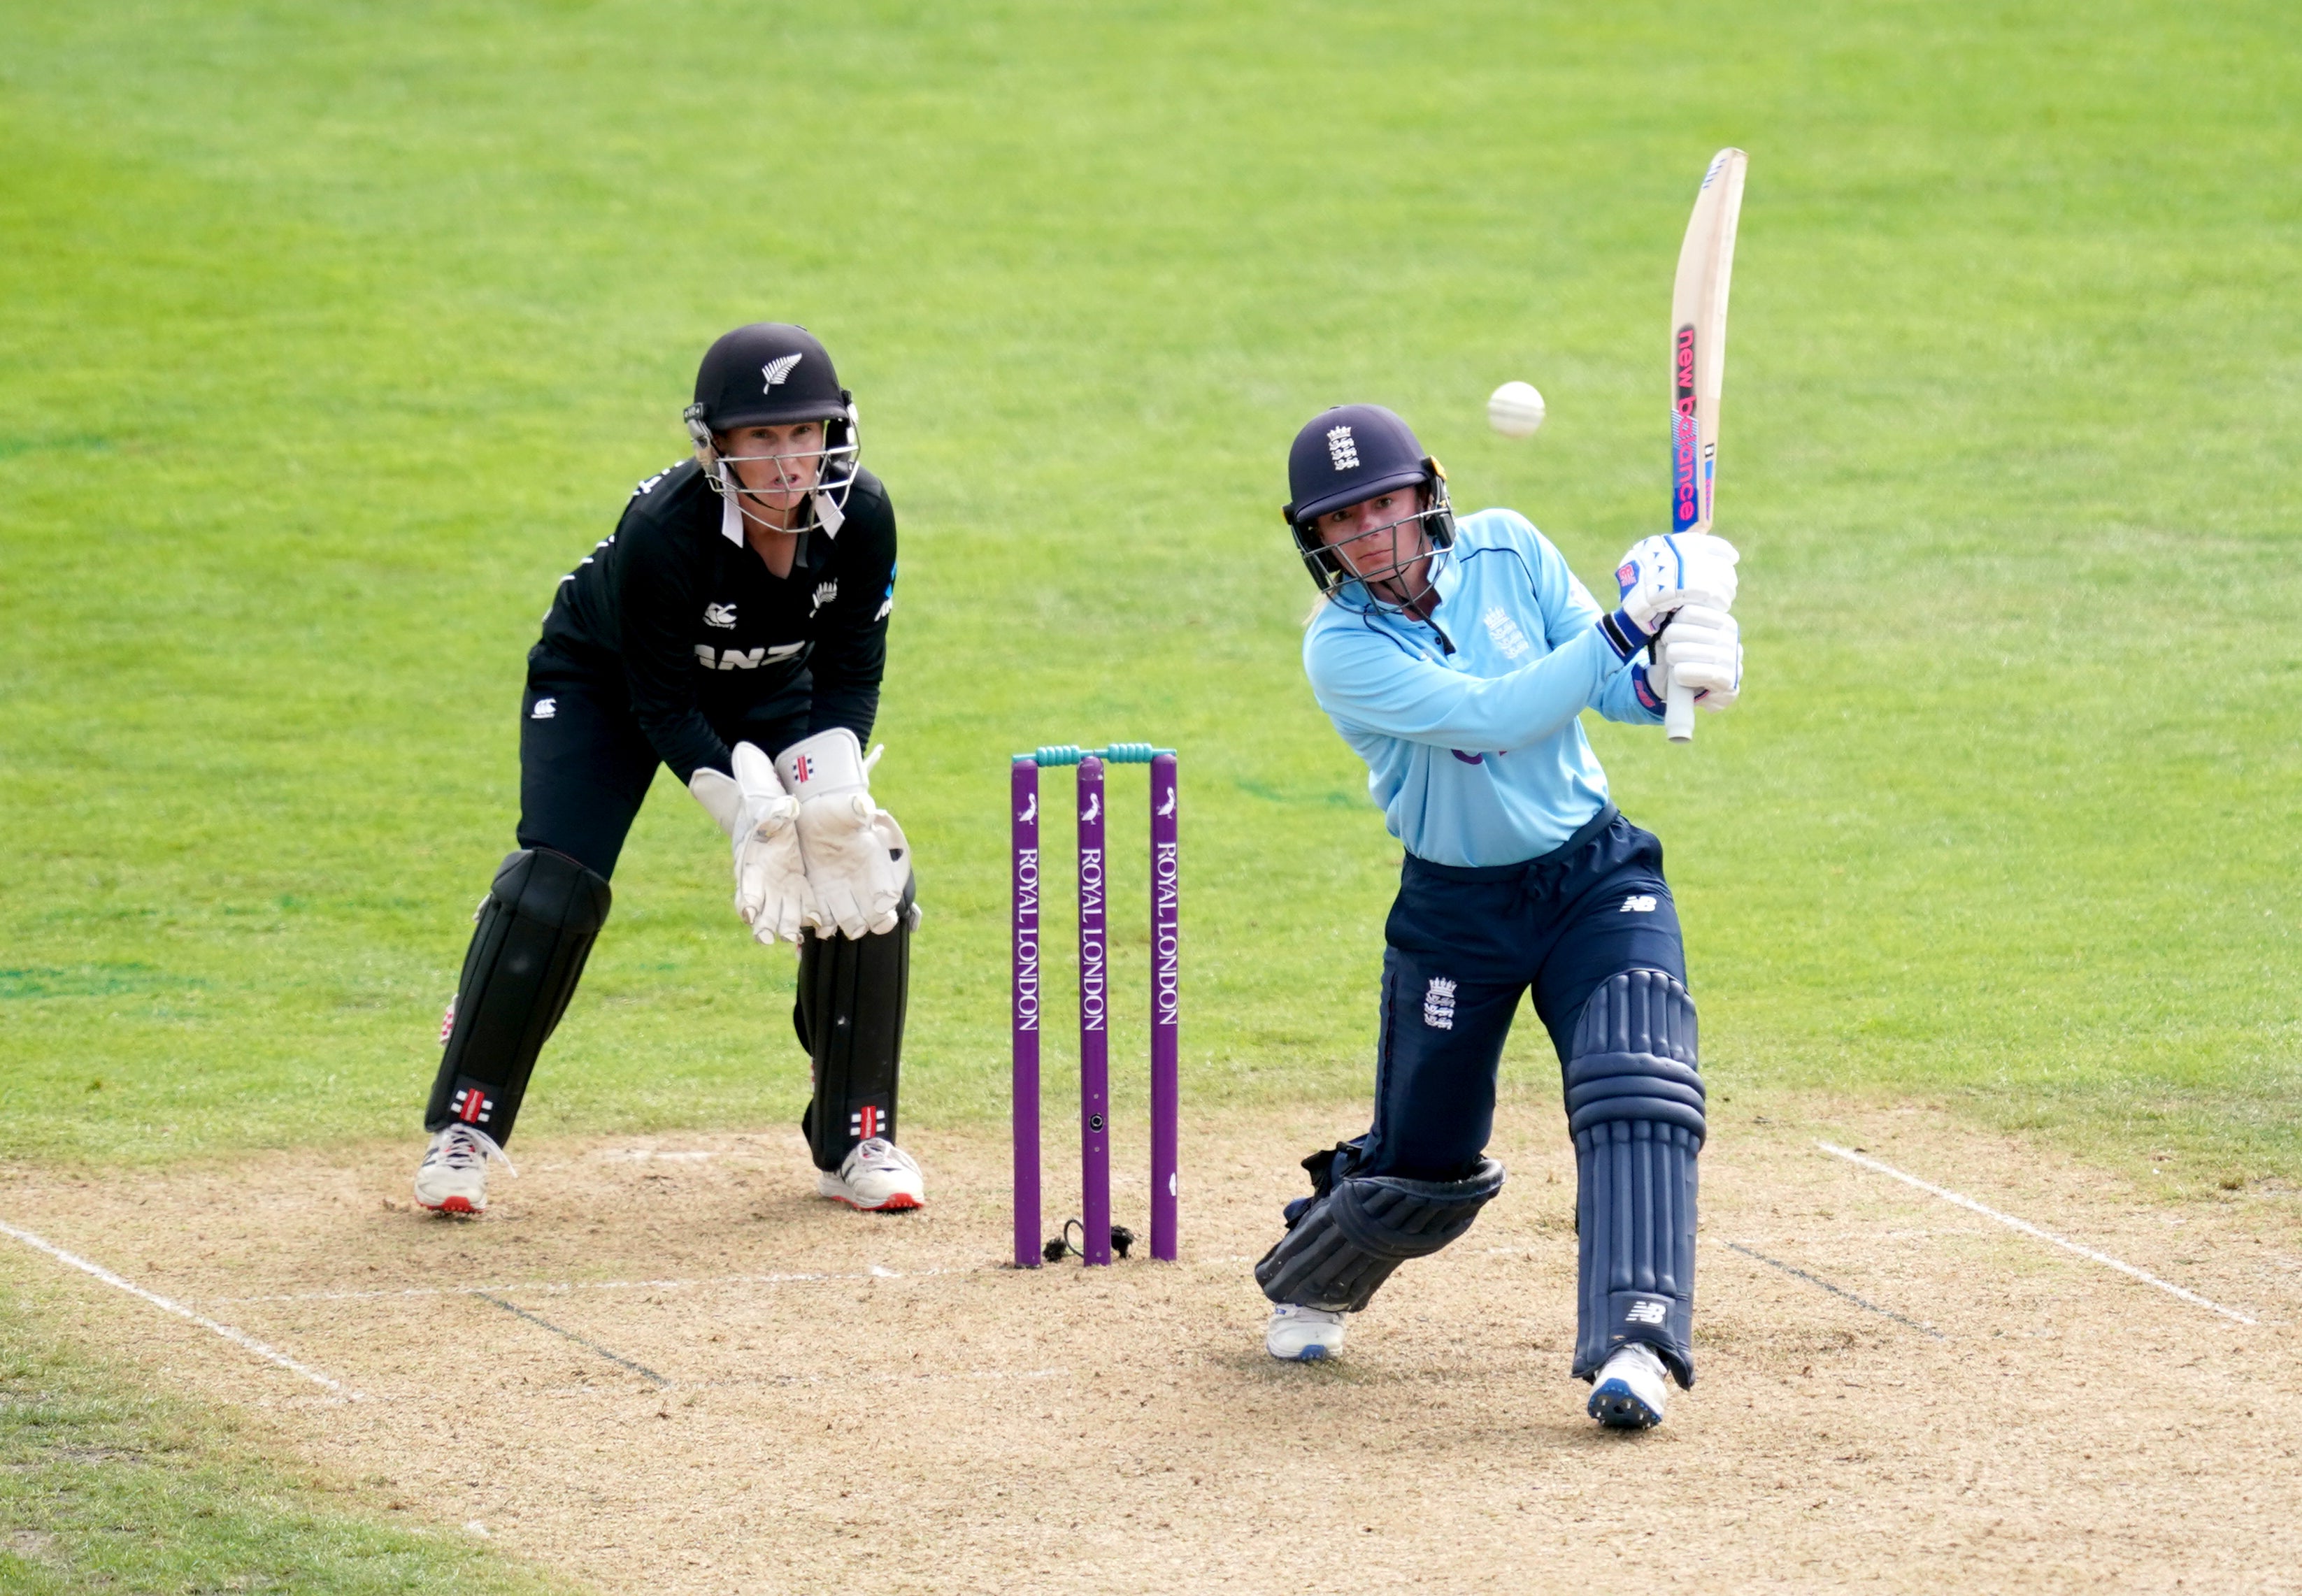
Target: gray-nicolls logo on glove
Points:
(857, 860)
(772, 895)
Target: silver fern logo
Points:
(825, 592)
(777, 369)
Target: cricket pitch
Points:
(662, 1364)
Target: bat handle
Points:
(1678, 714)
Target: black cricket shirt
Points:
(675, 602)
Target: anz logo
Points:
(711, 658)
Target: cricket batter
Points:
(734, 628)
(1455, 658)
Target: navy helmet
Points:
(1343, 457)
(772, 373)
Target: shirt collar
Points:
(1444, 581)
(1448, 577)
(731, 519)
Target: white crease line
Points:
(654, 1393)
(238, 1338)
(2028, 1228)
(875, 1273)
(782, 1380)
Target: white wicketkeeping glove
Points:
(1661, 574)
(760, 820)
(1702, 649)
(857, 860)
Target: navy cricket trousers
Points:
(1465, 943)
(585, 766)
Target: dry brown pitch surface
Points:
(662, 1364)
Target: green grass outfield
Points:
(333, 335)
(330, 337)
(104, 1486)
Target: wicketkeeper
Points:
(733, 627)
(1456, 658)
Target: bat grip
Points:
(1678, 713)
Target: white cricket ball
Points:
(1515, 409)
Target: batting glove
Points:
(1702, 649)
(1661, 574)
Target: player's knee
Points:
(1635, 1056)
(554, 888)
(1341, 1247)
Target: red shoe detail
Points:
(893, 1205)
(454, 1205)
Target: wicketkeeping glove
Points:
(772, 894)
(857, 860)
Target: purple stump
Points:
(1095, 1035)
(1166, 1004)
(1023, 786)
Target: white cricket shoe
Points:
(453, 1178)
(878, 1175)
(1628, 1394)
(1303, 1335)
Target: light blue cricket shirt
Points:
(1476, 756)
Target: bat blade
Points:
(1698, 371)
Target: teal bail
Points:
(1068, 754)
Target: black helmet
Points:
(772, 373)
(1345, 455)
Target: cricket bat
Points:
(1698, 367)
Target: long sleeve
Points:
(1471, 728)
(850, 656)
(1372, 683)
(1569, 611)
(658, 591)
